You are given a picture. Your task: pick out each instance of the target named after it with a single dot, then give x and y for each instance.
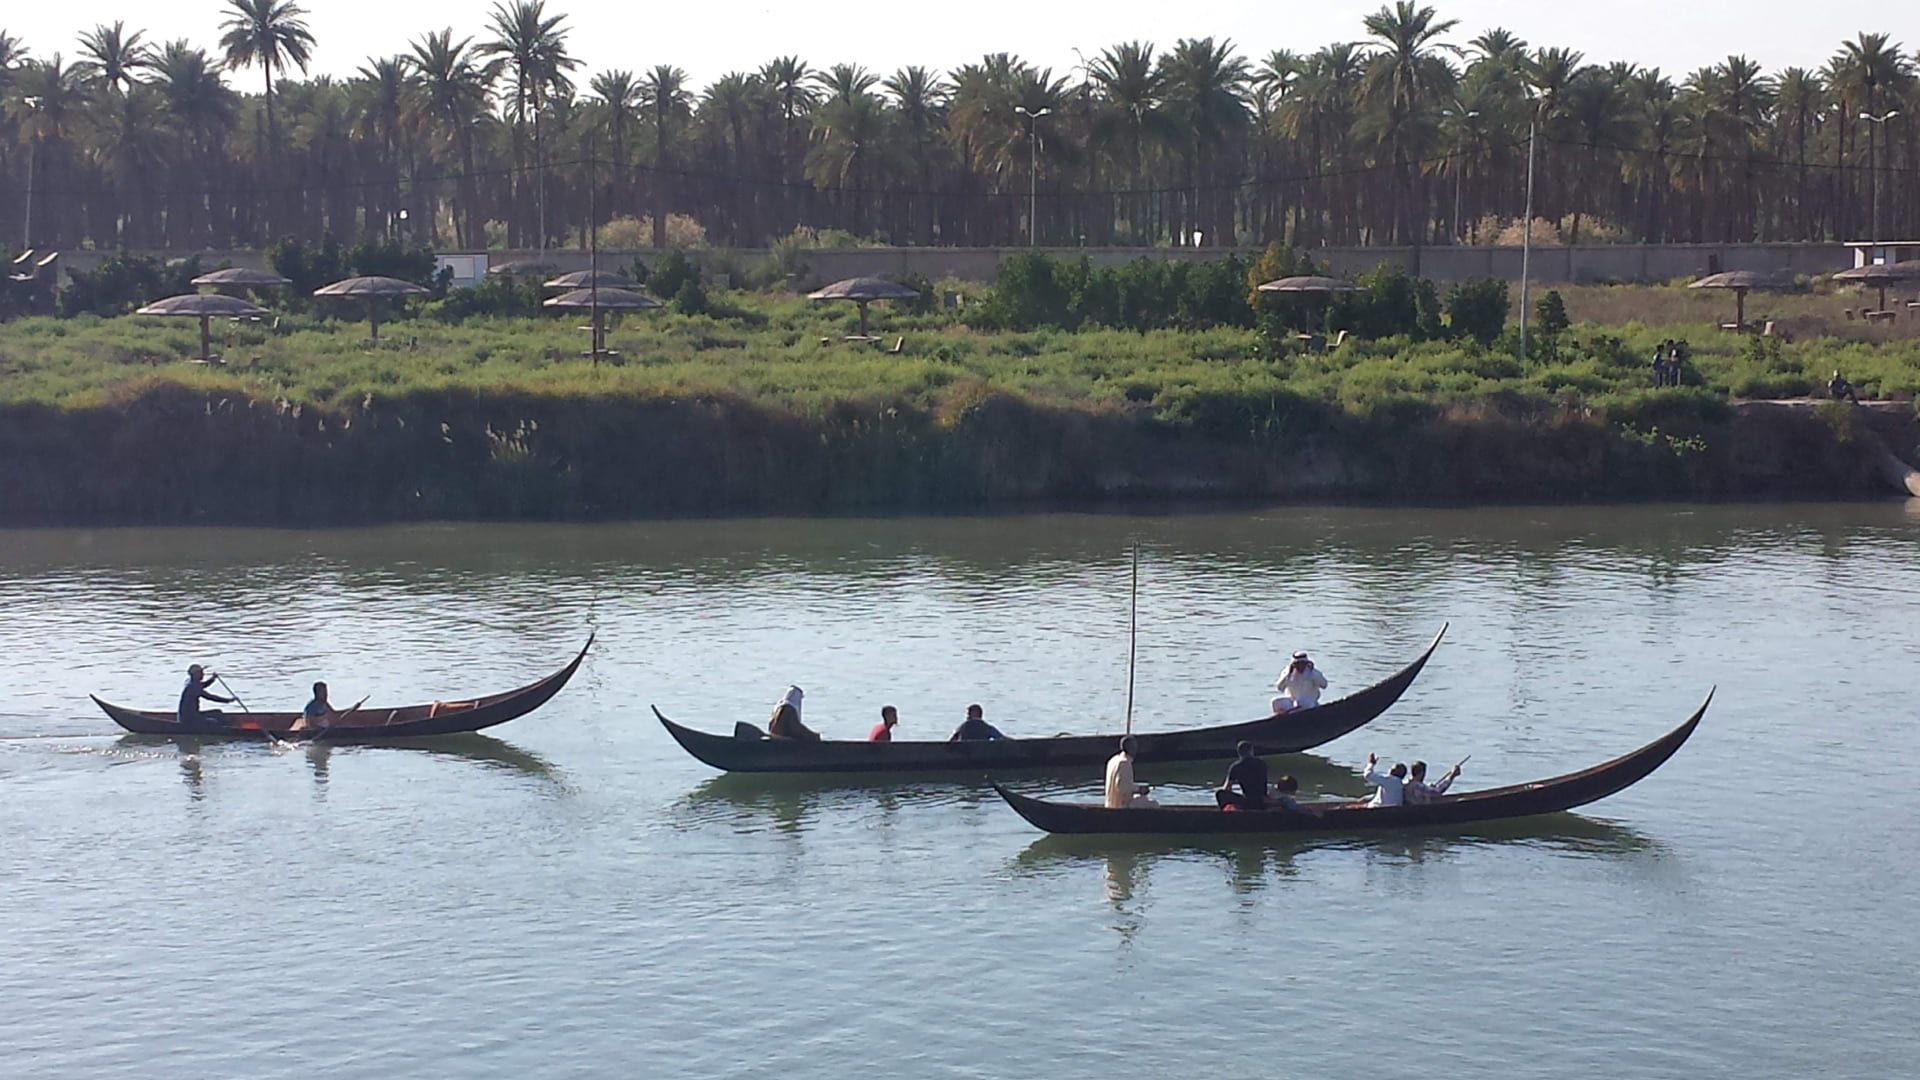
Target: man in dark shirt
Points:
(975, 728)
(198, 679)
(1249, 774)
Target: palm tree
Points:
(1131, 85)
(452, 86)
(198, 110)
(1802, 97)
(664, 94)
(616, 105)
(48, 104)
(381, 94)
(1743, 97)
(112, 57)
(1866, 71)
(1206, 86)
(1600, 114)
(920, 105)
(1405, 76)
(533, 45)
(270, 33)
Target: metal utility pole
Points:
(1526, 236)
(1033, 168)
(1873, 166)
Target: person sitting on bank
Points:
(1838, 387)
(318, 711)
(1419, 792)
(975, 727)
(1390, 787)
(1299, 688)
(1122, 792)
(883, 731)
(1247, 773)
(785, 721)
(198, 679)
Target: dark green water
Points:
(576, 898)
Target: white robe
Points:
(1122, 792)
(1298, 690)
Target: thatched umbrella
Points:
(1882, 275)
(241, 277)
(1739, 281)
(1310, 283)
(372, 290)
(602, 300)
(587, 279)
(864, 291)
(520, 268)
(206, 307)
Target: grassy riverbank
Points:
(748, 410)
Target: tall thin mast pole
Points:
(1133, 633)
(1526, 237)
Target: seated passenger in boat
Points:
(1284, 790)
(1248, 774)
(1390, 786)
(1122, 792)
(318, 711)
(1419, 792)
(785, 721)
(1299, 687)
(198, 679)
(883, 731)
(975, 727)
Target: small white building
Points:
(1869, 253)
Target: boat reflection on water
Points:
(794, 801)
(1250, 859)
(484, 750)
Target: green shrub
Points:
(690, 298)
(1477, 309)
(672, 273)
(124, 282)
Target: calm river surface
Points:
(575, 897)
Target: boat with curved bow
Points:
(1513, 801)
(750, 750)
(359, 724)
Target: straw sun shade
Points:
(372, 290)
(242, 277)
(864, 291)
(205, 307)
(586, 279)
(1309, 284)
(601, 300)
(1739, 281)
(1882, 275)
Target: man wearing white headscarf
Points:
(1299, 688)
(785, 721)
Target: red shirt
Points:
(880, 733)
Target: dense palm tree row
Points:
(498, 138)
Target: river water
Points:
(575, 897)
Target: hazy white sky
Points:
(713, 38)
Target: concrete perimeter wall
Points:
(1584, 264)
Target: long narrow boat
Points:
(1518, 800)
(1273, 735)
(361, 725)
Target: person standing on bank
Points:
(198, 679)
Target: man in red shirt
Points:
(883, 731)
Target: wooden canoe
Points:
(1273, 735)
(1518, 800)
(363, 724)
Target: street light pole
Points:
(1873, 166)
(1526, 236)
(1033, 168)
(33, 143)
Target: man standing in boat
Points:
(198, 679)
(883, 731)
(1249, 774)
(975, 727)
(1299, 687)
(1122, 792)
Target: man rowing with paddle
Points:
(1419, 792)
(198, 679)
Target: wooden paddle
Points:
(354, 708)
(271, 737)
